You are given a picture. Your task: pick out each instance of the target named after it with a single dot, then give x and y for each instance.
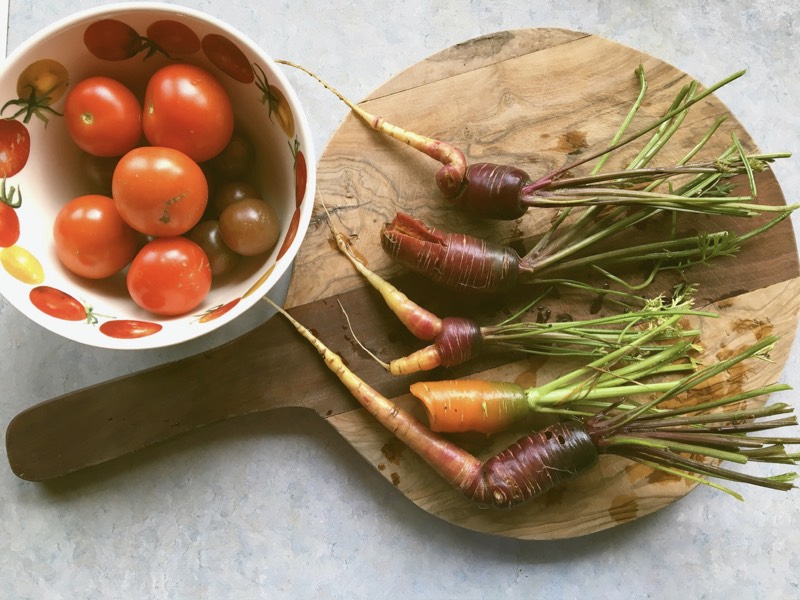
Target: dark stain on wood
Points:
(572, 142)
(393, 450)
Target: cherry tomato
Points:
(173, 37)
(91, 238)
(276, 102)
(127, 329)
(9, 226)
(249, 227)
(15, 147)
(186, 108)
(280, 108)
(221, 258)
(98, 171)
(39, 86)
(109, 39)
(103, 117)
(159, 191)
(22, 265)
(227, 57)
(58, 304)
(233, 191)
(235, 160)
(169, 276)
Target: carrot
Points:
(507, 192)
(493, 406)
(538, 462)
(472, 405)
(455, 340)
(469, 264)
(420, 322)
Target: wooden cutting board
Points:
(534, 98)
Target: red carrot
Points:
(507, 192)
(538, 462)
(466, 263)
(456, 340)
(469, 264)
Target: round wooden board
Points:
(535, 99)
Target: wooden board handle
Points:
(268, 367)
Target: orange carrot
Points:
(493, 406)
(472, 405)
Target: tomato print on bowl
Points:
(42, 169)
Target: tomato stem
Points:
(150, 48)
(7, 194)
(267, 97)
(33, 106)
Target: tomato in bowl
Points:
(93, 107)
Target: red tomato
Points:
(186, 108)
(109, 39)
(127, 329)
(9, 226)
(227, 57)
(103, 117)
(91, 238)
(159, 191)
(173, 37)
(58, 304)
(15, 146)
(170, 276)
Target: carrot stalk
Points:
(542, 460)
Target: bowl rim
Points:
(302, 131)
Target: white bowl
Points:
(100, 313)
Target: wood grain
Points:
(534, 98)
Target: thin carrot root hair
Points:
(449, 178)
(422, 323)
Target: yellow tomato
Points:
(46, 77)
(282, 111)
(22, 265)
